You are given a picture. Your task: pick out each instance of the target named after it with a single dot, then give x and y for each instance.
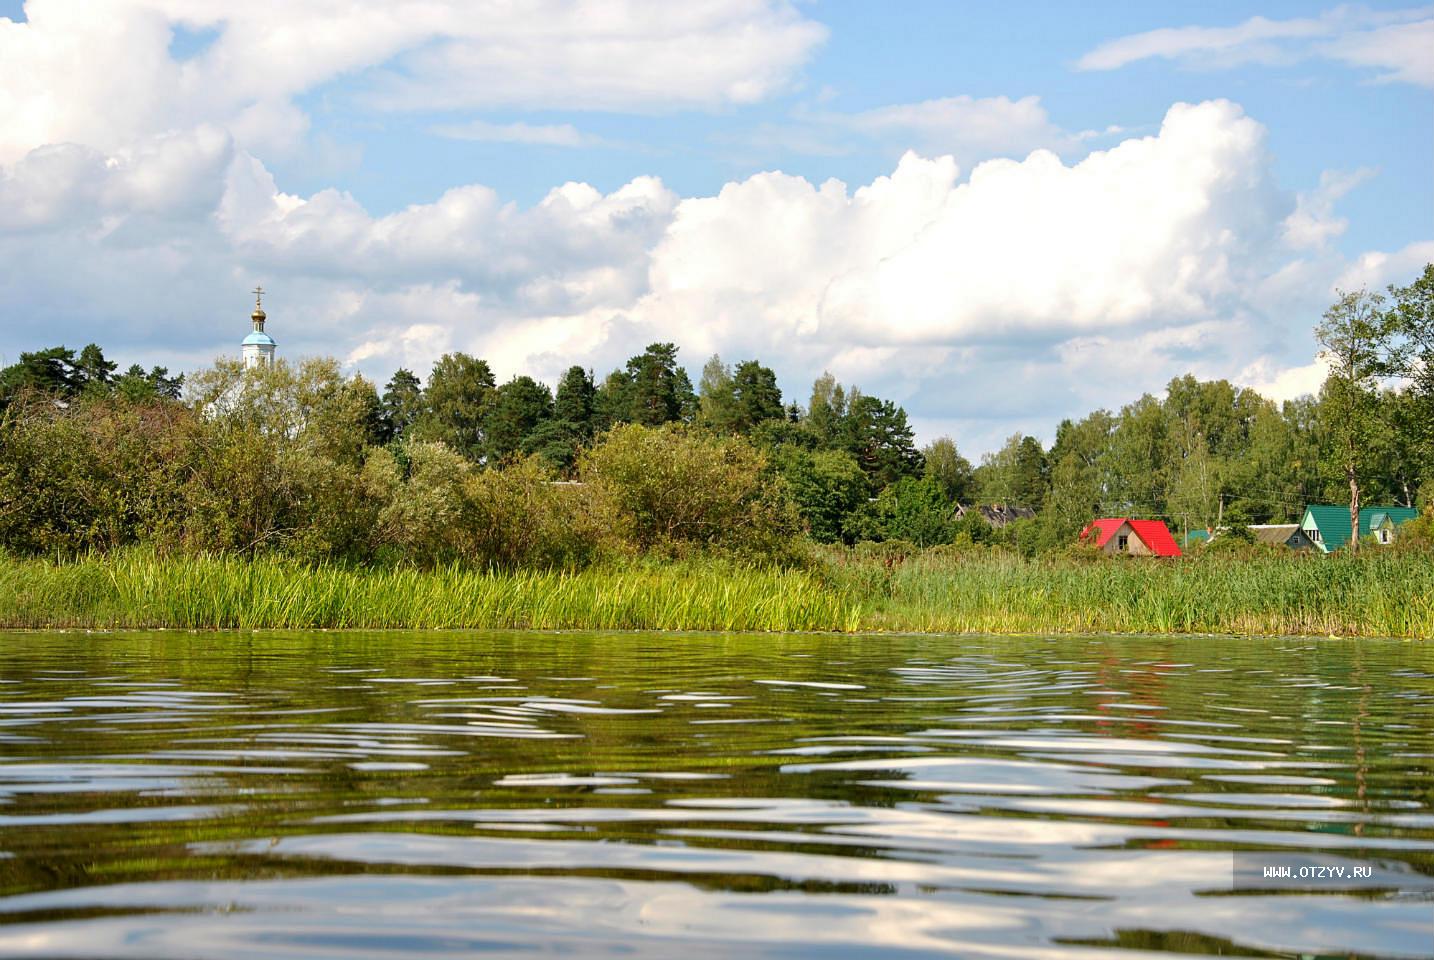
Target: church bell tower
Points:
(258, 346)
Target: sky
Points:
(998, 215)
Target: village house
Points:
(1281, 535)
(1328, 526)
(1139, 538)
(1274, 534)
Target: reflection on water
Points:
(389, 795)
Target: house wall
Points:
(1311, 531)
(1135, 547)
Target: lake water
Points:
(453, 795)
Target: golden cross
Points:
(259, 297)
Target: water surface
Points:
(452, 794)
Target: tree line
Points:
(303, 458)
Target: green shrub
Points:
(672, 491)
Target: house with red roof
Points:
(1139, 538)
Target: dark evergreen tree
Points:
(93, 373)
(49, 371)
(879, 437)
(575, 399)
(612, 401)
(755, 396)
(659, 390)
(402, 404)
(519, 406)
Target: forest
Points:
(309, 462)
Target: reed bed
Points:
(1387, 593)
(1384, 593)
(225, 592)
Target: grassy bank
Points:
(139, 590)
(1386, 594)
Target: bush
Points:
(424, 514)
(519, 517)
(672, 491)
(93, 474)
(1416, 534)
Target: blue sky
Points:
(390, 173)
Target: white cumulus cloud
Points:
(1002, 299)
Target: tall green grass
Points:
(1386, 593)
(1383, 593)
(226, 592)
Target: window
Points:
(1314, 534)
(1122, 542)
(1384, 536)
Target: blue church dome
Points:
(259, 337)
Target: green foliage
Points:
(876, 433)
(674, 490)
(518, 408)
(716, 400)
(827, 410)
(460, 390)
(653, 389)
(136, 386)
(557, 442)
(403, 404)
(95, 474)
(740, 400)
(518, 517)
(573, 404)
(50, 372)
(912, 509)
(304, 460)
(1018, 474)
(950, 471)
(1354, 337)
(827, 486)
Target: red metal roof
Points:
(1153, 533)
(1104, 529)
(1156, 536)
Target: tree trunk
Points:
(1353, 508)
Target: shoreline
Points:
(1390, 595)
(647, 631)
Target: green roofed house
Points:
(1328, 526)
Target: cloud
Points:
(989, 126)
(1005, 299)
(1158, 227)
(547, 135)
(103, 73)
(1284, 384)
(1399, 43)
(964, 127)
(1404, 51)
(596, 54)
(1314, 223)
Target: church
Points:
(258, 347)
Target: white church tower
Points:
(258, 346)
